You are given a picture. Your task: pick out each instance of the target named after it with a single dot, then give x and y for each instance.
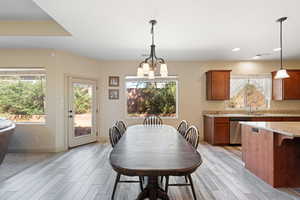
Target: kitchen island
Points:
(271, 150)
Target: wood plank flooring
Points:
(17, 162)
(85, 173)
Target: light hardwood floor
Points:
(15, 163)
(85, 173)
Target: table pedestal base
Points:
(153, 191)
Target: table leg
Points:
(153, 191)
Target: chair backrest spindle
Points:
(153, 120)
(182, 127)
(192, 136)
(121, 126)
(114, 135)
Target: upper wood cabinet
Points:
(218, 84)
(286, 89)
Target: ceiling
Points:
(21, 10)
(186, 29)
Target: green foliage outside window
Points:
(22, 98)
(82, 99)
(152, 98)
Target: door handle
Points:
(70, 116)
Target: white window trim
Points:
(169, 78)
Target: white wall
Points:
(192, 99)
(31, 137)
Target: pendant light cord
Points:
(281, 20)
(152, 33)
(281, 65)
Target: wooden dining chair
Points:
(192, 137)
(153, 120)
(121, 125)
(182, 128)
(114, 136)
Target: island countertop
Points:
(291, 129)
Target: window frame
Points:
(169, 78)
(18, 71)
(253, 76)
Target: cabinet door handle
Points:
(255, 130)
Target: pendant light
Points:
(282, 73)
(151, 63)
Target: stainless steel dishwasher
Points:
(235, 129)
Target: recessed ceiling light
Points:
(277, 49)
(236, 49)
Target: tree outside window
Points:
(145, 97)
(22, 96)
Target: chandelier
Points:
(148, 67)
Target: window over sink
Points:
(146, 96)
(250, 92)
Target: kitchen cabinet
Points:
(217, 129)
(218, 84)
(267, 119)
(286, 89)
(291, 119)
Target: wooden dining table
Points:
(153, 151)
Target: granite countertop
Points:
(291, 129)
(252, 115)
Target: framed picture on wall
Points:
(113, 94)
(113, 81)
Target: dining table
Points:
(152, 151)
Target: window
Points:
(22, 94)
(146, 97)
(250, 91)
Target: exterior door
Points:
(82, 111)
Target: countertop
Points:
(253, 115)
(4, 123)
(291, 129)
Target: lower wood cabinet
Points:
(217, 129)
(291, 119)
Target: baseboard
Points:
(50, 150)
(102, 139)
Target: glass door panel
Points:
(82, 111)
(83, 105)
